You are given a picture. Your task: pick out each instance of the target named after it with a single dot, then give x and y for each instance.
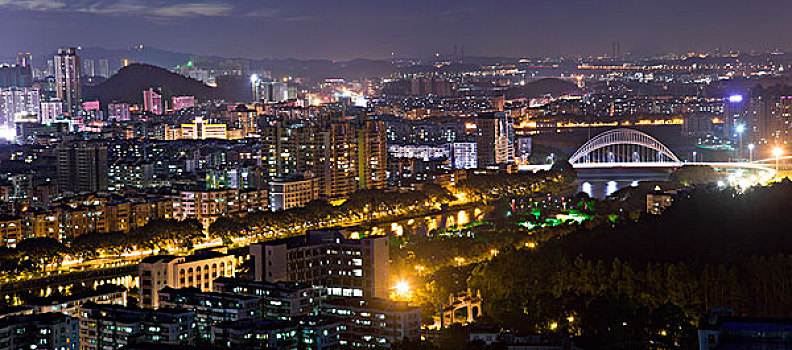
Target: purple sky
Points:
(344, 29)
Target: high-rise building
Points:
(68, 79)
(372, 155)
(336, 166)
(18, 101)
(768, 120)
(274, 92)
(25, 59)
(82, 167)
(494, 139)
(152, 101)
(15, 76)
(102, 68)
(89, 67)
(328, 258)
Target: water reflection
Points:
(612, 187)
(586, 188)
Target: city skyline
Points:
(309, 29)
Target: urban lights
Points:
(777, 153)
(751, 147)
(740, 129)
(401, 291)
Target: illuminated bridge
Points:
(628, 148)
(623, 147)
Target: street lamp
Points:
(777, 152)
(750, 152)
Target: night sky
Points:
(345, 29)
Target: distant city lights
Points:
(7, 133)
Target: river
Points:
(600, 183)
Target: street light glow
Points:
(740, 128)
(402, 288)
(778, 151)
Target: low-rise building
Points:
(197, 271)
(46, 331)
(374, 322)
(70, 304)
(210, 308)
(110, 327)
(10, 231)
(292, 193)
(308, 332)
(278, 299)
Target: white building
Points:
(196, 271)
(463, 155)
(17, 102)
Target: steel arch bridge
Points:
(624, 146)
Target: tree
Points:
(694, 175)
(226, 229)
(42, 250)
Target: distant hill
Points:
(541, 87)
(128, 85)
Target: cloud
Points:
(157, 9)
(33, 5)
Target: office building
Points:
(281, 300)
(68, 79)
(111, 327)
(210, 308)
(82, 167)
(152, 101)
(374, 323)
(293, 193)
(328, 258)
(202, 130)
(494, 139)
(196, 271)
(44, 331)
(372, 155)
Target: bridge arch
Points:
(634, 142)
